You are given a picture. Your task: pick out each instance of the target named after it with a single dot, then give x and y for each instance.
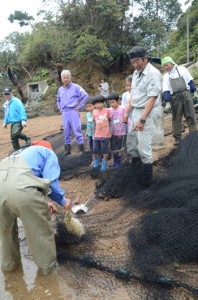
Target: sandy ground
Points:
(37, 128)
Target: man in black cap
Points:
(14, 114)
(146, 93)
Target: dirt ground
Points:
(27, 284)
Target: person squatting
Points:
(27, 178)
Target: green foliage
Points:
(195, 73)
(41, 75)
(21, 17)
(90, 46)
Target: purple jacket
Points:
(71, 96)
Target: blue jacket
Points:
(14, 111)
(44, 164)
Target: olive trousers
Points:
(23, 195)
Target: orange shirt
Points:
(101, 118)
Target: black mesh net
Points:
(144, 234)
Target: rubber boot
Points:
(137, 166)
(104, 165)
(28, 141)
(96, 162)
(81, 149)
(147, 174)
(117, 160)
(67, 149)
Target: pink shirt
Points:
(119, 127)
(101, 118)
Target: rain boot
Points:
(96, 162)
(67, 149)
(104, 165)
(147, 174)
(28, 141)
(117, 160)
(81, 149)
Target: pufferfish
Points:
(73, 225)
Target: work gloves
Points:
(167, 108)
(23, 123)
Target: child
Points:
(126, 96)
(118, 138)
(89, 123)
(102, 132)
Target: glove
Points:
(4, 125)
(24, 124)
(163, 104)
(167, 110)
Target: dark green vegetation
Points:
(92, 39)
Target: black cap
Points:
(89, 100)
(7, 90)
(113, 96)
(98, 98)
(138, 52)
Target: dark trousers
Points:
(90, 139)
(182, 105)
(16, 134)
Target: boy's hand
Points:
(68, 205)
(86, 135)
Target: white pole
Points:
(187, 33)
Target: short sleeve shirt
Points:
(119, 127)
(101, 118)
(146, 84)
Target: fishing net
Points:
(142, 234)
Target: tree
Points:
(22, 18)
(157, 18)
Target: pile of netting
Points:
(145, 234)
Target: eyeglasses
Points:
(6, 94)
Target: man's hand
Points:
(68, 205)
(52, 208)
(139, 126)
(125, 117)
(4, 125)
(23, 123)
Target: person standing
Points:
(29, 177)
(126, 96)
(104, 90)
(146, 96)
(14, 114)
(102, 121)
(89, 124)
(118, 139)
(178, 89)
(70, 100)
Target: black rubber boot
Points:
(67, 149)
(137, 166)
(81, 149)
(147, 174)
